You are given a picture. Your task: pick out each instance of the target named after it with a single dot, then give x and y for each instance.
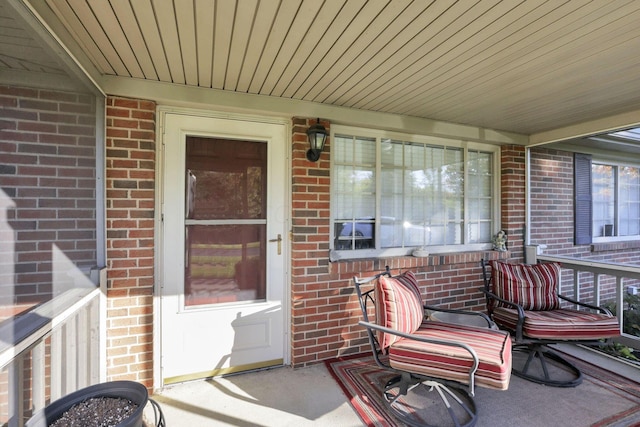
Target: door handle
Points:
(279, 240)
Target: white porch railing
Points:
(50, 352)
(593, 283)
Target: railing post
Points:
(70, 354)
(96, 349)
(16, 392)
(531, 253)
(101, 330)
(620, 302)
(38, 384)
(596, 291)
(56, 364)
(83, 327)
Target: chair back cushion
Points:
(398, 306)
(533, 286)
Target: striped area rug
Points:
(603, 398)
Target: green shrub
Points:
(630, 314)
(631, 326)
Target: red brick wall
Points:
(513, 198)
(47, 189)
(131, 144)
(552, 221)
(552, 202)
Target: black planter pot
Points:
(131, 390)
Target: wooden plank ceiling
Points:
(523, 66)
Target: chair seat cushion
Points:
(560, 324)
(452, 363)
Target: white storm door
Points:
(224, 245)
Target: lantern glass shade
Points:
(317, 135)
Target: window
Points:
(616, 200)
(394, 193)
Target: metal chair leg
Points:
(459, 404)
(546, 359)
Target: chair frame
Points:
(404, 381)
(535, 347)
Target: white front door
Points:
(224, 222)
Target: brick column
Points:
(130, 238)
(513, 198)
(309, 248)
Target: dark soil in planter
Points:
(97, 412)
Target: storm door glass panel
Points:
(225, 224)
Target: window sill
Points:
(335, 255)
(615, 246)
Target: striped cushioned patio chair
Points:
(435, 357)
(524, 300)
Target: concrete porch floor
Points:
(287, 397)
(280, 396)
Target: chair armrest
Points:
(586, 305)
(519, 309)
(490, 323)
(470, 350)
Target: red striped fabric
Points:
(409, 280)
(534, 287)
(398, 306)
(561, 324)
(453, 363)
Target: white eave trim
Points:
(198, 97)
(606, 124)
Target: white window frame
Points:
(616, 225)
(379, 135)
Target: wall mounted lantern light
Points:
(317, 136)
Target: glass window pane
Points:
(454, 234)
(392, 153)
(390, 232)
(629, 202)
(603, 199)
(225, 179)
(364, 151)
(479, 232)
(364, 206)
(343, 148)
(391, 181)
(358, 234)
(353, 195)
(421, 192)
(224, 263)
